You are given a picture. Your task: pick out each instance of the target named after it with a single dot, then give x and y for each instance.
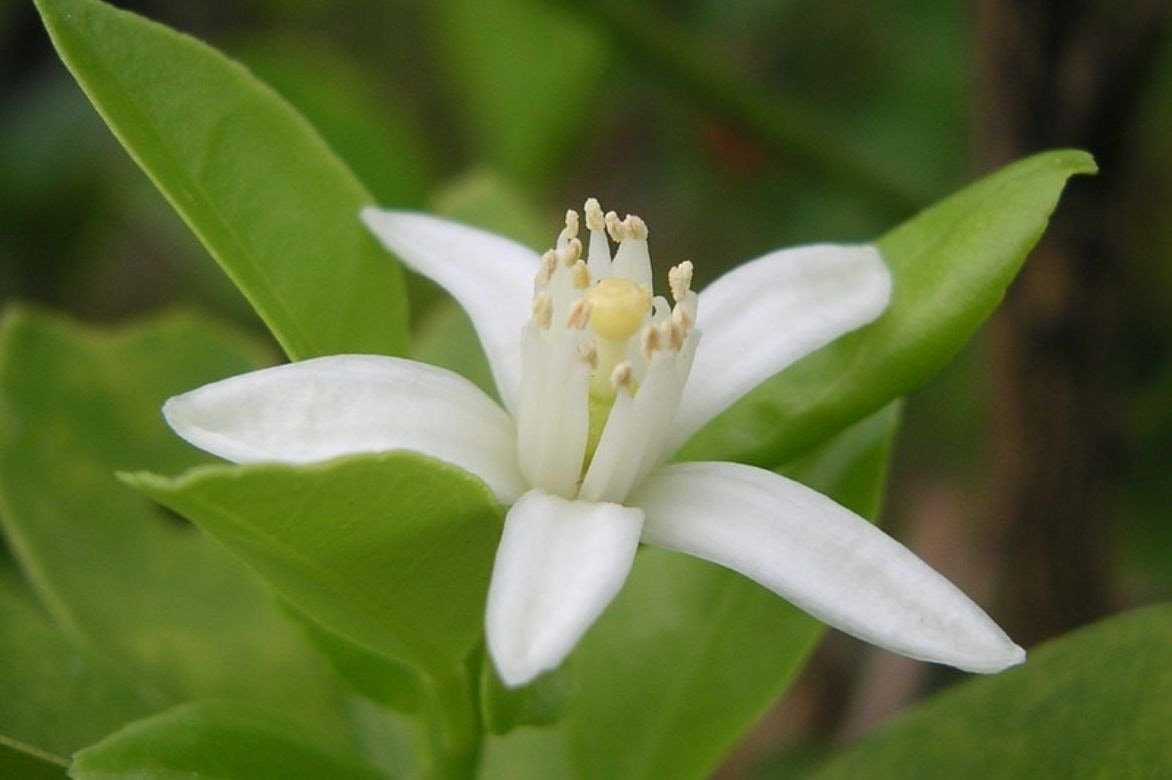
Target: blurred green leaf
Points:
(393, 550)
(21, 762)
(113, 571)
(271, 202)
(951, 265)
(380, 678)
(379, 143)
(527, 74)
(216, 740)
(690, 655)
(1095, 703)
(59, 694)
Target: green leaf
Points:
(113, 571)
(951, 265)
(393, 551)
(690, 655)
(59, 694)
(527, 73)
(1095, 703)
(372, 134)
(21, 762)
(266, 196)
(217, 740)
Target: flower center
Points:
(599, 338)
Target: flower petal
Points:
(761, 317)
(343, 404)
(823, 558)
(559, 564)
(490, 276)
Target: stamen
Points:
(649, 341)
(579, 314)
(569, 254)
(636, 228)
(615, 227)
(622, 376)
(679, 278)
(681, 319)
(589, 354)
(581, 275)
(594, 218)
(543, 310)
(672, 334)
(549, 264)
(571, 230)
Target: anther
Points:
(543, 310)
(580, 275)
(679, 278)
(594, 218)
(579, 314)
(635, 227)
(569, 254)
(589, 354)
(621, 376)
(571, 224)
(615, 227)
(650, 341)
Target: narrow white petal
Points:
(330, 406)
(490, 276)
(761, 317)
(559, 564)
(822, 557)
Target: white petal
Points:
(490, 276)
(330, 406)
(823, 558)
(559, 564)
(761, 317)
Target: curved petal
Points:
(559, 564)
(490, 276)
(761, 317)
(822, 557)
(343, 404)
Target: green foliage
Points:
(220, 740)
(393, 551)
(1093, 704)
(135, 597)
(266, 196)
(24, 763)
(951, 265)
(526, 71)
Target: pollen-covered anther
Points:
(543, 310)
(569, 254)
(594, 218)
(679, 278)
(615, 227)
(571, 229)
(545, 271)
(589, 354)
(580, 275)
(579, 315)
(621, 376)
(636, 228)
(650, 341)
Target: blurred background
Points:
(1033, 471)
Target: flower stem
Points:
(454, 740)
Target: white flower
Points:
(601, 382)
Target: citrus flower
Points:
(601, 382)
